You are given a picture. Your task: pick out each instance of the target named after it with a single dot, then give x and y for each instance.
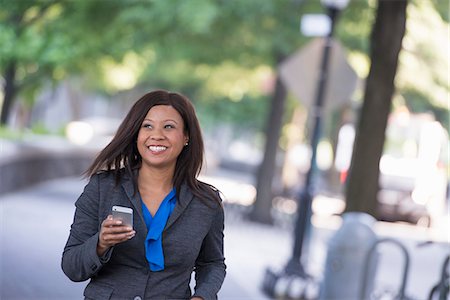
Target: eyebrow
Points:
(172, 120)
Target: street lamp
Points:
(294, 267)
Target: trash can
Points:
(346, 257)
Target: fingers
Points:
(109, 222)
(113, 232)
(111, 239)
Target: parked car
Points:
(397, 205)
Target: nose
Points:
(157, 134)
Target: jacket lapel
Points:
(135, 199)
(184, 197)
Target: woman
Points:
(150, 166)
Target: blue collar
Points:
(155, 226)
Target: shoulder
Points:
(105, 180)
(207, 186)
(110, 175)
(101, 177)
(210, 194)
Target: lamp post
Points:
(294, 267)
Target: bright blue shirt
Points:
(155, 225)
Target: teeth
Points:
(157, 148)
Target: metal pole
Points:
(305, 197)
(277, 284)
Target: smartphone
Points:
(125, 214)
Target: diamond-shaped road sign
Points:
(300, 71)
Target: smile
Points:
(157, 148)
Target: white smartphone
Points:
(125, 214)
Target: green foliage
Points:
(418, 102)
(355, 26)
(10, 134)
(249, 114)
(442, 7)
(422, 78)
(211, 50)
(39, 128)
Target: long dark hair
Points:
(121, 154)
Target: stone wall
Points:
(30, 166)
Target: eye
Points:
(146, 125)
(169, 126)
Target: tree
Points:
(45, 41)
(262, 208)
(183, 45)
(386, 43)
(15, 25)
(261, 211)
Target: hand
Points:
(112, 232)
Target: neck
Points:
(160, 179)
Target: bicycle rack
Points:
(442, 287)
(401, 294)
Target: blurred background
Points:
(292, 96)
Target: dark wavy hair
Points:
(121, 155)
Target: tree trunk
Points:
(9, 91)
(386, 41)
(264, 194)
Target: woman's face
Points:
(161, 137)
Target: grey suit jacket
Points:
(192, 241)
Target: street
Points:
(35, 224)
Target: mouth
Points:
(157, 148)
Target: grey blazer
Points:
(192, 242)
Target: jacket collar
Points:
(184, 197)
(135, 199)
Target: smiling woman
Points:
(151, 167)
(161, 137)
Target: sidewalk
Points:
(34, 224)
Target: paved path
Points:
(34, 224)
(33, 230)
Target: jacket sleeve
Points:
(210, 265)
(80, 260)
